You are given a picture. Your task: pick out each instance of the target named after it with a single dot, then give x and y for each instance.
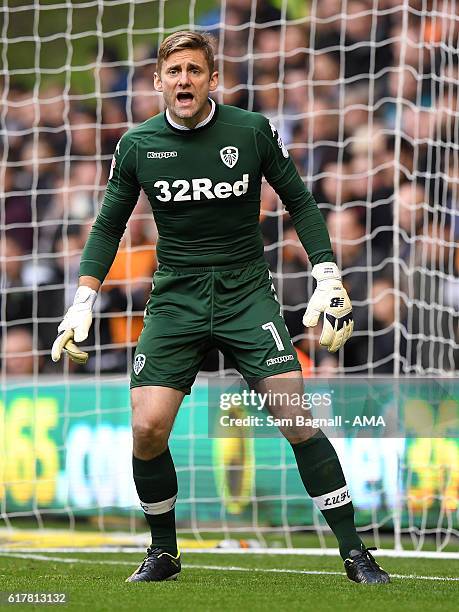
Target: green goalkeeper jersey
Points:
(204, 189)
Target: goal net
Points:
(364, 94)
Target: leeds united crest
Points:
(139, 362)
(229, 156)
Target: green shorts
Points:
(192, 310)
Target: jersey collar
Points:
(203, 124)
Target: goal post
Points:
(364, 95)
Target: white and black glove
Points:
(75, 326)
(330, 298)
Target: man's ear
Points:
(157, 83)
(213, 82)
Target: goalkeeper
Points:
(200, 165)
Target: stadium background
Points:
(365, 95)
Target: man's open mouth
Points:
(185, 96)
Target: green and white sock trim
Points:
(159, 507)
(334, 499)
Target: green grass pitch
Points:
(234, 582)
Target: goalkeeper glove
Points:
(75, 326)
(330, 298)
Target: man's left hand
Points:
(330, 298)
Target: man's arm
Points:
(90, 281)
(282, 175)
(120, 198)
(100, 249)
(329, 297)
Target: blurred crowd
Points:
(366, 102)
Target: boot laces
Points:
(366, 558)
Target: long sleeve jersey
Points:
(204, 189)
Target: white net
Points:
(365, 96)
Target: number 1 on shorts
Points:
(269, 326)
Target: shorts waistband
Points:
(220, 268)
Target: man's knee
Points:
(153, 413)
(285, 400)
(149, 431)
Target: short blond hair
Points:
(178, 41)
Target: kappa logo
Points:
(280, 359)
(139, 363)
(112, 168)
(229, 156)
(161, 154)
(280, 143)
(113, 164)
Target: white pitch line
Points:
(35, 557)
(219, 568)
(307, 552)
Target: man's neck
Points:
(205, 121)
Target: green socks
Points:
(323, 478)
(320, 471)
(156, 484)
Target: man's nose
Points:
(184, 78)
